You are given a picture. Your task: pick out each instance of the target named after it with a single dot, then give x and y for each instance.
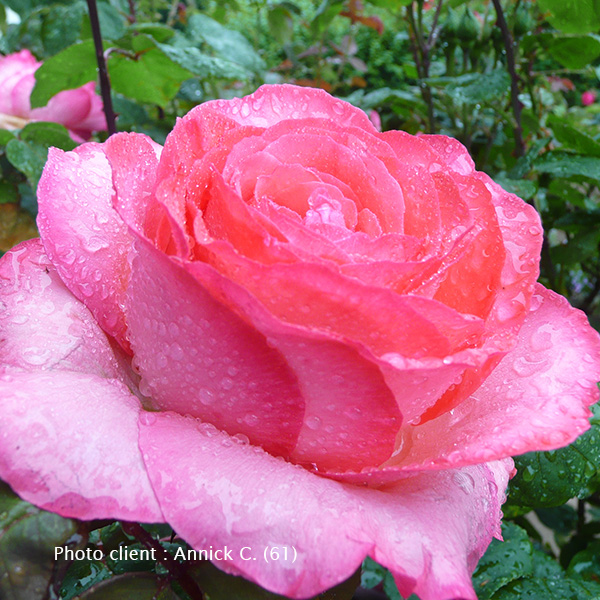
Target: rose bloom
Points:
(285, 328)
(79, 110)
(588, 97)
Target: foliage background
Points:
(513, 93)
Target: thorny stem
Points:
(102, 72)
(420, 52)
(162, 556)
(514, 79)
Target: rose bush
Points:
(79, 110)
(287, 328)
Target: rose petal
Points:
(429, 530)
(83, 235)
(535, 399)
(196, 356)
(69, 432)
(274, 103)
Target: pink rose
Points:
(287, 329)
(588, 97)
(79, 110)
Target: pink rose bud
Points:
(79, 110)
(290, 336)
(588, 97)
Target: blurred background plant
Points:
(514, 80)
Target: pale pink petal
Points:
(69, 427)
(430, 530)
(83, 235)
(17, 70)
(42, 324)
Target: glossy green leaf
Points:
(575, 52)
(484, 88)
(562, 164)
(61, 26)
(71, 68)
(28, 537)
(48, 134)
(151, 76)
(203, 65)
(503, 562)
(523, 188)
(573, 16)
(374, 574)
(572, 138)
(586, 564)
(81, 575)
(27, 157)
(227, 43)
(552, 478)
(536, 588)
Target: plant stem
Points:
(420, 52)
(514, 79)
(102, 72)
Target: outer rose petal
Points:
(83, 235)
(430, 530)
(535, 399)
(68, 433)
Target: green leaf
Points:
(572, 138)
(523, 188)
(575, 52)
(81, 575)
(581, 247)
(573, 16)
(586, 564)
(47, 134)
(562, 164)
(151, 76)
(552, 478)
(28, 538)
(480, 88)
(373, 574)
(160, 32)
(281, 23)
(61, 26)
(504, 561)
(203, 65)
(227, 43)
(112, 23)
(71, 68)
(548, 589)
(27, 157)
(328, 9)
(6, 136)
